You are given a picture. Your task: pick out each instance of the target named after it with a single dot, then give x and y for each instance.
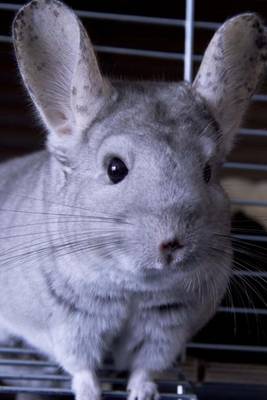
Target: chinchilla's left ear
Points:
(233, 65)
(59, 68)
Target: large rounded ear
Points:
(232, 67)
(59, 69)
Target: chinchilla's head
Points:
(143, 159)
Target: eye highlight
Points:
(207, 172)
(116, 170)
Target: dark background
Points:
(21, 132)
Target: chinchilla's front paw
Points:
(141, 387)
(144, 391)
(86, 386)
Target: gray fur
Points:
(81, 270)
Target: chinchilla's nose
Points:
(170, 246)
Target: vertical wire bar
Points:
(188, 65)
(189, 40)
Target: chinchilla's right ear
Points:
(59, 68)
(233, 65)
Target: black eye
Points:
(117, 170)
(207, 173)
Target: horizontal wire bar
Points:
(168, 56)
(10, 7)
(129, 18)
(207, 25)
(140, 19)
(256, 238)
(243, 310)
(260, 98)
(67, 392)
(254, 203)
(47, 391)
(229, 347)
(113, 16)
(67, 379)
(140, 53)
(18, 350)
(5, 39)
(253, 132)
(163, 55)
(40, 377)
(28, 363)
(246, 166)
(37, 363)
(174, 22)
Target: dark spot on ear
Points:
(219, 58)
(260, 42)
(41, 66)
(257, 25)
(34, 4)
(20, 36)
(74, 91)
(209, 84)
(248, 17)
(56, 13)
(264, 57)
(86, 87)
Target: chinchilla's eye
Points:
(117, 170)
(207, 173)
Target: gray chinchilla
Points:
(117, 237)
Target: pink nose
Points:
(170, 246)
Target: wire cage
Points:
(228, 358)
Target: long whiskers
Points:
(100, 218)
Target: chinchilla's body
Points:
(116, 238)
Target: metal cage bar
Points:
(189, 40)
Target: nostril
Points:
(170, 246)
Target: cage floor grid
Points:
(23, 370)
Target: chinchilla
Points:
(117, 236)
